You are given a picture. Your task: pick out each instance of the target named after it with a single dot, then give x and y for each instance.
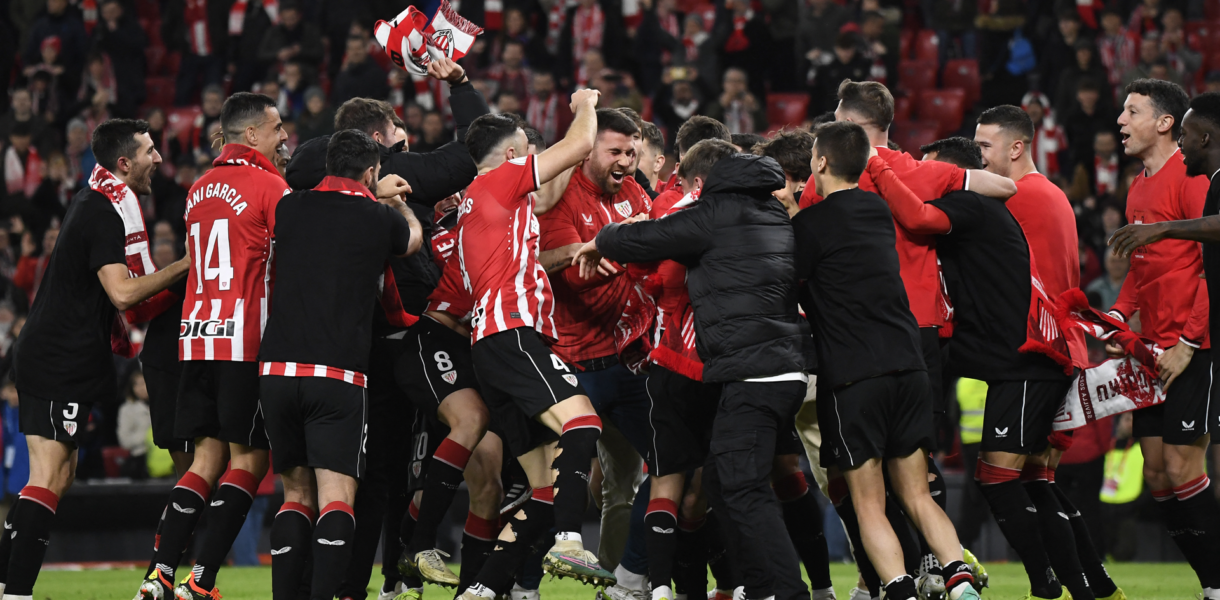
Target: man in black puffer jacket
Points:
(738, 245)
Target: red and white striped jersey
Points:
(230, 218)
(498, 252)
(450, 295)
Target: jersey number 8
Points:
(218, 246)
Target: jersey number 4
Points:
(218, 248)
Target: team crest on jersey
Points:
(443, 40)
(449, 377)
(570, 379)
(70, 427)
(623, 208)
(416, 467)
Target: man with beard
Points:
(230, 218)
(1191, 514)
(63, 363)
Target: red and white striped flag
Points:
(449, 34)
(412, 41)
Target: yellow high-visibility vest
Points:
(972, 398)
(1124, 475)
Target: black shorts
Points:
(426, 436)
(163, 407)
(315, 422)
(434, 362)
(1188, 411)
(1019, 414)
(219, 399)
(788, 441)
(680, 415)
(60, 421)
(520, 379)
(880, 417)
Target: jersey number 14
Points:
(218, 249)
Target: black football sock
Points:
(6, 542)
(901, 588)
(1059, 539)
(690, 557)
(152, 563)
(445, 473)
(803, 519)
(528, 531)
(576, 447)
(290, 548)
(186, 503)
(31, 535)
(478, 541)
(1094, 568)
(405, 533)
(718, 555)
(957, 573)
(1015, 514)
(332, 549)
(1198, 508)
(226, 515)
(661, 523)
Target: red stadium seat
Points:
(113, 458)
(161, 91)
(154, 56)
(905, 39)
(945, 107)
(787, 109)
(911, 135)
(902, 108)
(927, 46)
(179, 121)
(915, 75)
(148, 9)
(1211, 10)
(172, 61)
(646, 109)
(963, 74)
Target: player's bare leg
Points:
(28, 526)
(909, 478)
(867, 485)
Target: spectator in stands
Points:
(98, 92)
(501, 103)
(168, 146)
(1085, 66)
(1108, 285)
(294, 80)
(335, 17)
(248, 30)
(547, 112)
(589, 25)
(1049, 146)
(213, 100)
(954, 24)
(199, 31)
(1145, 17)
(782, 18)
(1087, 117)
(17, 468)
(317, 119)
(79, 153)
(21, 110)
(820, 22)
(1178, 47)
(880, 46)
(122, 39)
(676, 100)
(848, 63)
(748, 44)
(510, 74)
(1150, 58)
(60, 22)
(34, 260)
(52, 66)
(1117, 47)
(1059, 52)
(360, 77)
(169, 194)
(293, 38)
(22, 168)
(737, 108)
(49, 203)
(434, 134)
(618, 90)
(134, 421)
(1101, 177)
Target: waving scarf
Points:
(22, 177)
(413, 41)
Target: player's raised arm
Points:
(574, 146)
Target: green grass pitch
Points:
(1143, 581)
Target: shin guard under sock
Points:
(226, 515)
(1018, 520)
(1198, 508)
(577, 445)
(332, 549)
(440, 486)
(690, 557)
(31, 535)
(186, 503)
(528, 527)
(841, 500)
(1057, 534)
(478, 541)
(1090, 560)
(661, 523)
(290, 549)
(803, 519)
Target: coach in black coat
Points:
(738, 245)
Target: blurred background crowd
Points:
(756, 65)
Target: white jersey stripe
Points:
(209, 343)
(498, 313)
(188, 346)
(237, 340)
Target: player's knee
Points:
(1180, 470)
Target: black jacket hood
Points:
(745, 174)
(307, 167)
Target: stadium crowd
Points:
(758, 68)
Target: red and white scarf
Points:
(555, 18)
(88, 13)
(22, 177)
(543, 115)
(196, 15)
(738, 41)
(139, 255)
(237, 14)
(1106, 174)
(588, 30)
(413, 41)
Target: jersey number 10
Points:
(218, 245)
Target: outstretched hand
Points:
(445, 69)
(592, 263)
(392, 186)
(1128, 238)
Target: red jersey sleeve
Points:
(911, 213)
(809, 196)
(558, 227)
(946, 177)
(514, 179)
(1126, 304)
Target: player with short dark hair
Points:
(531, 393)
(652, 155)
(1021, 407)
(745, 142)
(876, 403)
(63, 361)
(313, 377)
(960, 151)
(1173, 303)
